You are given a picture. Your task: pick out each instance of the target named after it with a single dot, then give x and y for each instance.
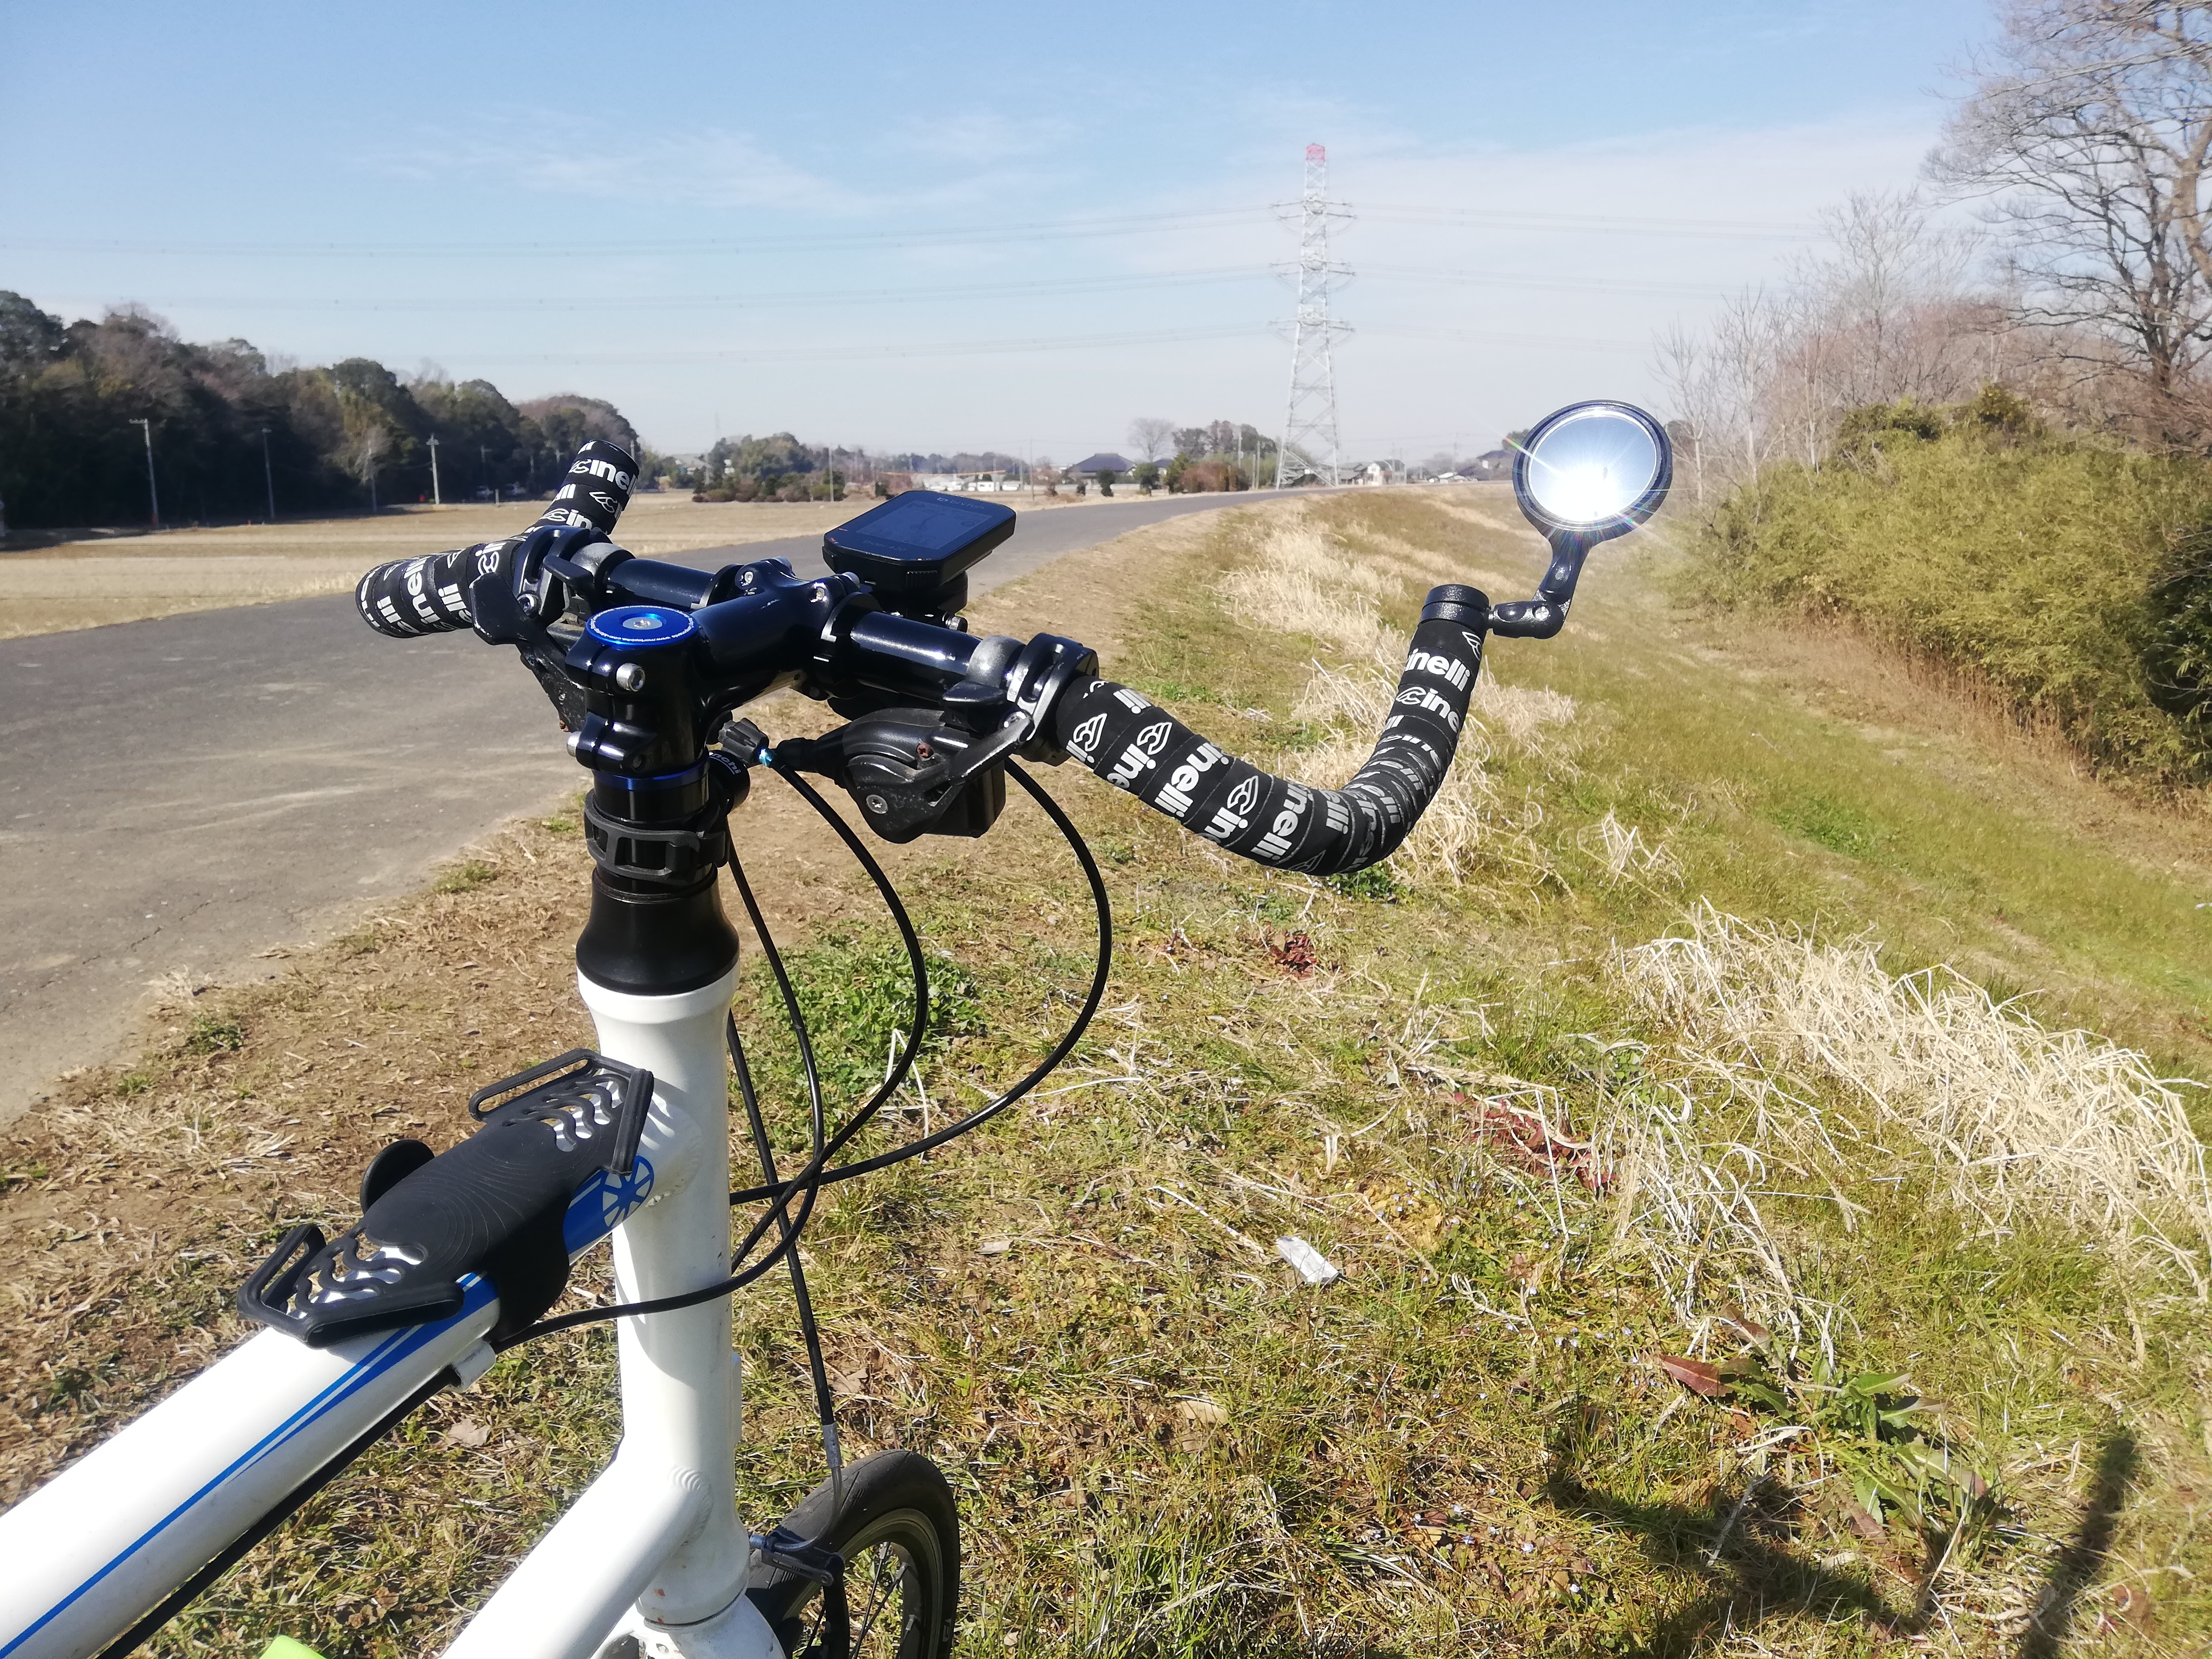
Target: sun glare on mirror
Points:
(1592, 467)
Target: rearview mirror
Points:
(1587, 473)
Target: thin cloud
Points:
(983, 139)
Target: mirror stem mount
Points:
(1541, 618)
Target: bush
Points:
(2074, 579)
(1210, 476)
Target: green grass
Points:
(472, 873)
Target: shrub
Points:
(2074, 579)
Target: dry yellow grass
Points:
(113, 579)
(1811, 1055)
(1304, 578)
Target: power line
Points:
(1036, 230)
(782, 300)
(1116, 225)
(850, 353)
(1613, 224)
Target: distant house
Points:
(1491, 465)
(1088, 469)
(993, 482)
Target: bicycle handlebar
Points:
(1135, 746)
(844, 640)
(429, 594)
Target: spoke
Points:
(876, 1599)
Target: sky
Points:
(944, 229)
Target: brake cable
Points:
(1102, 971)
(806, 1183)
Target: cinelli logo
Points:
(1234, 813)
(1431, 702)
(619, 479)
(1277, 841)
(1141, 756)
(1451, 669)
(1083, 742)
(1174, 794)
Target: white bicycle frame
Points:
(652, 1550)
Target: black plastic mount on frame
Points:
(493, 1205)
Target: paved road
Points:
(178, 795)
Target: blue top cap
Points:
(917, 541)
(641, 625)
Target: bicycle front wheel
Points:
(899, 1532)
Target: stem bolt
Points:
(630, 676)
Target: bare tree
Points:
(2087, 134)
(1881, 313)
(1151, 435)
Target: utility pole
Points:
(1309, 421)
(436, 500)
(269, 474)
(153, 491)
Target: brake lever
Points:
(502, 619)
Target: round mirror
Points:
(1594, 467)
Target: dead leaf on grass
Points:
(1695, 1375)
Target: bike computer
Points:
(917, 541)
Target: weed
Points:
(1837, 825)
(1374, 883)
(856, 990)
(472, 874)
(133, 1082)
(2068, 577)
(212, 1034)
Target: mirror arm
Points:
(1544, 615)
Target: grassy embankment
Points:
(2067, 581)
(1624, 1058)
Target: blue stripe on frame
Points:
(379, 1360)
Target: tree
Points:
(2086, 135)
(70, 456)
(1152, 436)
(1146, 475)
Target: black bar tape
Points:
(430, 594)
(1270, 820)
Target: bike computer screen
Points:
(918, 540)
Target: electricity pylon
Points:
(1309, 422)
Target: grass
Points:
(1571, 1134)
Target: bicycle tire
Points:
(899, 1532)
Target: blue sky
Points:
(989, 225)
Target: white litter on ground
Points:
(1313, 1266)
